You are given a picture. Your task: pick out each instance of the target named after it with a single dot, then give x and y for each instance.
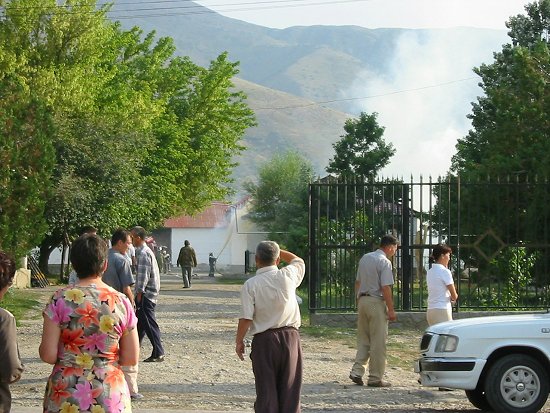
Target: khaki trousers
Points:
(372, 332)
(130, 374)
(439, 315)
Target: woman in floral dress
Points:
(88, 333)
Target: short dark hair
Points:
(7, 269)
(88, 229)
(186, 242)
(439, 250)
(88, 255)
(267, 252)
(139, 231)
(119, 235)
(388, 240)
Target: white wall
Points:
(228, 243)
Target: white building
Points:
(222, 229)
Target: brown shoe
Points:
(357, 380)
(379, 384)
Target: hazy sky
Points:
(371, 13)
(424, 99)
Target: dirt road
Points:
(202, 372)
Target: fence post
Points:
(406, 267)
(313, 265)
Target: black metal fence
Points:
(498, 230)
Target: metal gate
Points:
(498, 231)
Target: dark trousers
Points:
(5, 398)
(277, 364)
(186, 273)
(147, 324)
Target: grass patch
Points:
(231, 280)
(403, 346)
(23, 304)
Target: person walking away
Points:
(374, 308)
(10, 361)
(270, 312)
(88, 333)
(441, 289)
(119, 276)
(212, 264)
(187, 259)
(147, 289)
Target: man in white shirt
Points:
(271, 313)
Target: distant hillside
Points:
(316, 62)
(336, 66)
(301, 127)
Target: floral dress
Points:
(87, 376)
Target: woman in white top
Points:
(441, 289)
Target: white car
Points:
(503, 362)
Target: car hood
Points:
(522, 325)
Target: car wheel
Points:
(516, 384)
(478, 399)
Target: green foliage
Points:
(190, 165)
(280, 200)
(510, 132)
(510, 143)
(121, 132)
(362, 150)
(26, 162)
(513, 267)
(338, 259)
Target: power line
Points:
(229, 8)
(305, 105)
(190, 8)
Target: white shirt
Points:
(438, 278)
(269, 298)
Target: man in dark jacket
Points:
(187, 259)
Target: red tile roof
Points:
(212, 217)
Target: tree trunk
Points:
(48, 244)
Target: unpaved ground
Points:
(202, 372)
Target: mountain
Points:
(303, 127)
(341, 68)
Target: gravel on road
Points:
(202, 372)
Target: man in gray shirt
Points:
(119, 276)
(374, 309)
(119, 271)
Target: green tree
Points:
(138, 135)
(362, 150)
(510, 133)
(502, 203)
(191, 163)
(280, 200)
(26, 161)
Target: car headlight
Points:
(446, 344)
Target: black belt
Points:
(370, 295)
